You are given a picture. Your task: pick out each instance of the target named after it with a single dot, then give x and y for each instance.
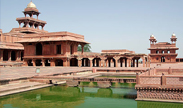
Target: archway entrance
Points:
(47, 62)
(13, 56)
(86, 62)
(111, 62)
(29, 62)
(162, 59)
(74, 62)
(96, 62)
(38, 49)
(123, 62)
(5, 55)
(38, 62)
(59, 62)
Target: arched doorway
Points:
(38, 49)
(96, 62)
(74, 62)
(123, 62)
(47, 62)
(13, 56)
(59, 62)
(162, 59)
(38, 62)
(86, 62)
(111, 62)
(29, 62)
(5, 55)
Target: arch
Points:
(96, 62)
(22, 54)
(86, 62)
(111, 61)
(162, 59)
(5, 55)
(168, 51)
(47, 62)
(73, 62)
(59, 62)
(29, 62)
(13, 56)
(38, 62)
(123, 61)
(38, 49)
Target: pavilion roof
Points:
(14, 46)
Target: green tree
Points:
(87, 48)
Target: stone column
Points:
(9, 55)
(106, 62)
(95, 62)
(129, 62)
(163, 79)
(18, 56)
(91, 62)
(43, 62)
(99, 63)
(116, 61)
(84, 60)
(52, 62)
(25, 62)
(79, 62)
(34, 62)
(65, 62)
(134, 62)
(143, 60)
(1, 55)
(82, 46)
(137, 64)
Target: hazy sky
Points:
(106, 24)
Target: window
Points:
(58, 49)
(162, 52)
(156, 58)
(168, 51)
(157, 52)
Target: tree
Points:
(87, 48)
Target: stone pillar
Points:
(82, 46)
(143, 60)
(43, 62)
(65, 62)
(107, 63)
(25, 63)
(116, 61)
(103, 63)
(134, 62)
(129, 62)
(1, 55)
(18, 55)
(100, 63)
(9, 55)
(79, 62)
(95, 63)
(91, 63)
(163, 80)
(125, 62)
(34, 62)
(137, 64)
(170, 70)
(84, 60)
(52, 62)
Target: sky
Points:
(106, 24)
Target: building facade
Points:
(163, 52)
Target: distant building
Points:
(163, 52)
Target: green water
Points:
(120, 96)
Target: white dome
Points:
(31, 5)
(173, 34)
(152, 35)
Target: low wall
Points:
(160, 85)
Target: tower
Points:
(152, 39)
(30, 24)
(173, 39)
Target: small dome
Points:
(31, 5)
(173, 34)
(152, 35)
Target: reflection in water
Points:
(78, 97)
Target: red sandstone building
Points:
(163, 51)
(42, 48)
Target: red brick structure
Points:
(163, 51)
(43, 48)
(160, 85)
